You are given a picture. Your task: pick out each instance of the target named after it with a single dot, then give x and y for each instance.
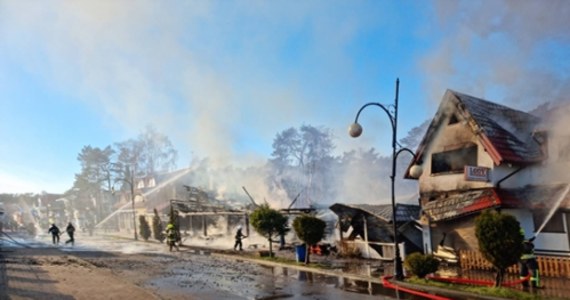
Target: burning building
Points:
(479, 155)
(370, 227)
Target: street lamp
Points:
(355, 130)
(131, 184)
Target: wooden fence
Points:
(552, 266)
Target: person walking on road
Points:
(70, 231)
(54, 230)
(171, 236)
(239, 237)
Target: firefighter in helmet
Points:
(171, 236)
(528, 263)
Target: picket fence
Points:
(551, 266)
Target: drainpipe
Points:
(508, 176)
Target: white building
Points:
(479, 155)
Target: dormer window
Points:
(454, 161)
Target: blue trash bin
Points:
(300, 252)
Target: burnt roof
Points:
(442, 206)
(404, 212)
(451, 205)
(536, 196)
(506, 133)
(509, 130)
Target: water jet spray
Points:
(553, 210)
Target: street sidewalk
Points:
(51, 274)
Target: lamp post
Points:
(355, 130)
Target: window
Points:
(454, 161)
(554, 225)
(453, 120)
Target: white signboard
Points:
(473, 173)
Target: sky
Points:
(222, 78)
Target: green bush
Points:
(269, 223)
(310, 230)
(499, 240)
(420, 265)
(157, 227)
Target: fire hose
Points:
(477, 282)
(387, 283)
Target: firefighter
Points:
(528, 263)
(171, 236)
(239, 236)
(54, 230)
(70, 231)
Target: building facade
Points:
(479, 155)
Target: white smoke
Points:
(508, 51)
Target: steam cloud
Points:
(504, 47)
(145, 63)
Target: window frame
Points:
(442, 162)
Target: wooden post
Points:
(204, 227)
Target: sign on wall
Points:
(473, 173)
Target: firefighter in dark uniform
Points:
(528, 263)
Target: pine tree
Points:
(157, 227)
(144, 228)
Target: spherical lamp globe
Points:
(355, 130)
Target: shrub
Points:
(268, 223)
(144, 228)
(499, 241)
(420, 264)
(157, 227)
(310, 230)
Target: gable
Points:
(506, 134)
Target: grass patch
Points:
(501, 292)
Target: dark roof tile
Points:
(509, 130)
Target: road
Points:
(191, 274)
